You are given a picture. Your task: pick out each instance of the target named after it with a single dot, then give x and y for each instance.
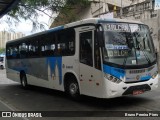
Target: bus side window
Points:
(33, 49)
(12, 52)
(47, 45)
(66, 42)
(9, 52)
(86, 48)
(23, 50)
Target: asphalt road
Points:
(14, 98)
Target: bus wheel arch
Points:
(71, 85)
(23, 79)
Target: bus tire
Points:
(24, 81)
(72, 88)
(2, 67)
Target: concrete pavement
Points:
(41, 99)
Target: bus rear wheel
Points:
(24, 81)
(72, 89)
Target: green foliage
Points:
(31, 9)
(70, 12)
(2, 50)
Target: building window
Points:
(153, 15)
(137, 17)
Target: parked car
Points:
(2, 62)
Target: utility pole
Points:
(121, 11)
(99, 8)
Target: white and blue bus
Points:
(103, 58)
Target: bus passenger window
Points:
(33, 49)
(12, 52)
(47, 45)
(23, 49)
(86, 48)
(66, 42)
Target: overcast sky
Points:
(23, 26)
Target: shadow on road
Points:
(55, 100)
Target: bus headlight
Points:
(154, 75)
(112, 78)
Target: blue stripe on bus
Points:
(145, 77)
(117, 72)
(52, 62)
(56, 29)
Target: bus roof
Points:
(100, 20)
(77, 23)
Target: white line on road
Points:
(11, 108)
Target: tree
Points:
(2, 50)
(31, 9)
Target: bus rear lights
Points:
(112, 78)
(154, 75)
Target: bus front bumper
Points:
(117, 90)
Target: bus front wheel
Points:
(73, 89)
(24, 81)
(2, 67)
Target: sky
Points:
(24, 26)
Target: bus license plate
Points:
(136, 92)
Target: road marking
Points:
(11, 109)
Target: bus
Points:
(103, 58)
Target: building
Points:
(7, 36)
(141, 10)
(146, 11)
(94, 9)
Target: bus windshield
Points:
(128, 44)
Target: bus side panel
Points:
(12, 75)
(54, 68)
(37, 73)
(11, 72)
(70, 65)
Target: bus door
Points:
(88, 74)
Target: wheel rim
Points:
(73, 88)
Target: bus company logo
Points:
(20, 114)
(6, 114)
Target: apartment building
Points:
(7, 36)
